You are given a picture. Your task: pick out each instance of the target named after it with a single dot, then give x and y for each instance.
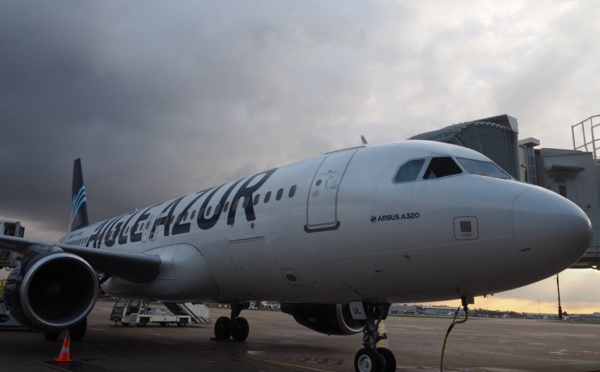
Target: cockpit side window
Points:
(409, 171)
(483, 168)
(441, 167)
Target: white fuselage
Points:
(338, 228)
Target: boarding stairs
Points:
(198, 312)
(9, 259)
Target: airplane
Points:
(336, 239)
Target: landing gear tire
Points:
(51, 336)
(390, 359)
(78, 331)
(240, 329)
(223, 328)
(368, 360)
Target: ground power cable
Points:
(454, 321)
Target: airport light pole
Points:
(559, 307)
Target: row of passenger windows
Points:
(78, 241)
(439, 167)
(207, 213)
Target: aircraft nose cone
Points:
(551, 232)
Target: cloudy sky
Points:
(160, 99)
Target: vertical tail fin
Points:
(79, 216)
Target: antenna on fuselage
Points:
(363, 139)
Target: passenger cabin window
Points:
(441, 167)
(409, 171)
(483, 168)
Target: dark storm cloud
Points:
(173, 98)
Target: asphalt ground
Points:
(276, 343)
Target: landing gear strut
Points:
(372, 358)
(234, 327)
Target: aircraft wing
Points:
(133, 267)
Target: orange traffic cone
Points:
(65, 354)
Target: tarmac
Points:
(277, 343)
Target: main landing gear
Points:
(234, 327)
(372, 358)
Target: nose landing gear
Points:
(372, 358)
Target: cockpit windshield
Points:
(409, 171)
(437, 167)
(483, 168)
(441, 167)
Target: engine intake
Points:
(330, 319)
(51, 291)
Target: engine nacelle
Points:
(330, 319)
(51, 291)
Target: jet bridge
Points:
(495, 137)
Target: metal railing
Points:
(586, 136)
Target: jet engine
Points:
(51, 291)
(330, 319)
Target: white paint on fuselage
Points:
(277, 256)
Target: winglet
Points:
(79, 216)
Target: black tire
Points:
(163, 324)
(223, 328)
(390, 359)
(51, 336)
(368, 360)
(182, 322)
(79, 330)
(240, 329)
(142, 322)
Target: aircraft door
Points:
(322, 200)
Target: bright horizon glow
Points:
(525, 299)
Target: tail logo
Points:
(79, 216)
(78, 200)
